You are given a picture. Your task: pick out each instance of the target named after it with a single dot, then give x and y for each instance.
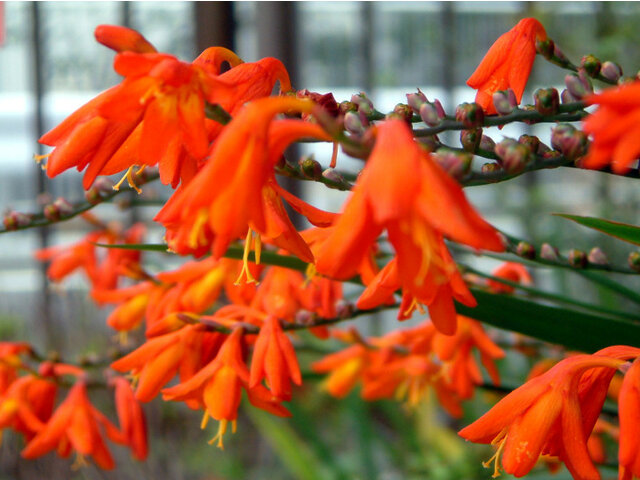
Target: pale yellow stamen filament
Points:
(205, 420)
(502, 439)
(222, 429)
(245, 272)
(196, 236)
(40, 158)
(129, 178)
(309, 274)
(415, 304)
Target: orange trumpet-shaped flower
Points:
(236, 192)
(402, 190)
(629, 411)
(274, 359)
(76, 425)
(508, 63)
(615, 128)
(512, 271)
(131, 418)
(544, 412)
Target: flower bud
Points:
(548, 252)
(364, 104)
(566, 97)
(611, 71)
(487, 144)
(530, 141)
(101, 187)
(353, 124)
(456, 164)
(542, 148)
(304, 317)
(439, 108)
(429, 143)
(334, 177)
(526, 250)
(347, 106)
(575, 86)
(429, 114)
(470, 139)
(513, 156)
(310, 167)
(577, 258)
(403, 111)
(634, 261)
(344, 309)
(325, 100)
(13, 220)
(58, 209)
(545, 48)
(416, 100)
(597, 257)
(470, 114)
(490, 167)
(559, 58)
(571, 142)
(546, 101)
(505, 101)
(591, 65)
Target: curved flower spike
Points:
(508, 63)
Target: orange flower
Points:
(122, 39)
(131, 418)
(76, 425)
(615, 128)
(544, 412)
(629, 411)
(512, 271)
(402, 190)
(236, 192)
(274, 359)
(508, 63)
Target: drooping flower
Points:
(402, 190)
(545, 413)
(236, 192)
(508, 63)
(614, 127)
(131, 418)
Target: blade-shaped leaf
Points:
(623, 231)
(573, 329)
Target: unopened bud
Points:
(353, 124)
(304, 317)
(546, 101)
(403, 111)
(526, 250)
(490, 167)
(439, 108)
(456, 164)
(548, 252)
(310, 167)
(545, 48)
(611, 71)
(597, 257)
(14, 220)
(470, 139)
(429, 114)
(487, 144)
(542, 149)
(571, 142)
(577, 258)
(591, 65)
(559, 58)
(416, 100)
(530, 141)
(430, 143)
(58, 209)
(334, 177)
(364, 104)
(566, 97)
(347, 106)
(513, 156)
(575, 86)
(634, 261)
(505, 101)
(344, 309)
(470, 114)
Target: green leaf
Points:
(573, 329)
(296, 456)
(623, 231)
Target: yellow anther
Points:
(129, 178)
(501, 438)
(415, 304)
(222, 429)
(309, 273)
(197, 236)
(40, 158)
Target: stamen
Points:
(245, 272)
(501, 438)
(40, 158)
(309, 273)
(415, 305)
(205, 420)
(123, 338)
(129, 177)
(222, 429)
(80, 462)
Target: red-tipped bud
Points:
(571, 142)
(577, 258)
(122, 39)
(487, 144)
(530, 141)
(416, 100)
(101, 187)
(611, 71)
(429, 114)
(310, 167)
(14, 220)
(490, 167)
(577, 86)
(505, 101)
(470, 139)
(546, 101)
(364, 104)
(58, 209)
(403, 112)
(353, 124)
(513, 156)
(336, 179)
(566, 97)
(591, 65)
(470, 114)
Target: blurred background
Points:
(50, 65)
